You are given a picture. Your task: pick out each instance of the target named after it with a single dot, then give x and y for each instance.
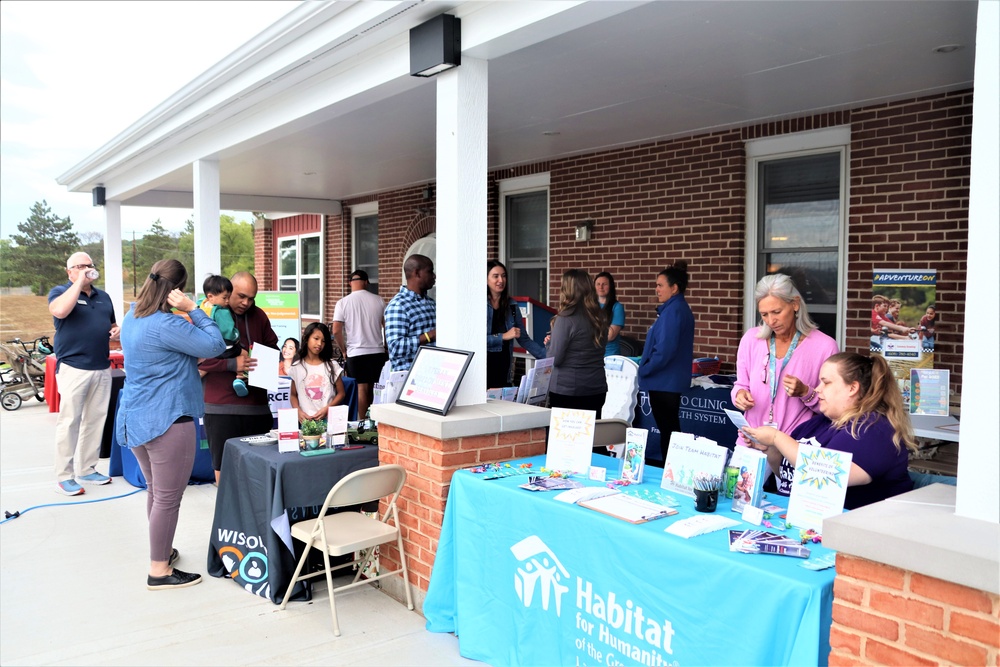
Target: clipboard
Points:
(628, 508)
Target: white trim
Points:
(524, 183)
(519, 185)
(367, 208)
(799, 142)
(364, 210)
(815, 142)
(298, 238)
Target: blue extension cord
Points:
(9, 516)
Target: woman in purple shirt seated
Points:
(862, 413)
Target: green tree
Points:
(42, 247)
(155, 244)
(236, 245)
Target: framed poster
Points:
(434, 378)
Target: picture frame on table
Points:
(434, 378)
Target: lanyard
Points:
(772, 365)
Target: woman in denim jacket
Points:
(504, 325)
(161, 400)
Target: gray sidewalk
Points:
(73, 584)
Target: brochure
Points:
(689, 457)
(745, 477)
(571, 440)
(819, 486)
(538, 381)
(700, 525)
(288, 430)
(633, 461)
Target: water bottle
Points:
(92, 274)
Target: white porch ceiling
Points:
(644, 71)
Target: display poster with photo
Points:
(904, 320)
(282, 308)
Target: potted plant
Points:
(311, 430)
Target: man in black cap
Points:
(357, 328)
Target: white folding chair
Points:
(348, 532)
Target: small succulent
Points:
(312, 427)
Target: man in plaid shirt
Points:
(411, 318)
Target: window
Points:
(365, 239)
(796, 220)
(300, 265)
(524, 242)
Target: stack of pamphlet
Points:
(753, 541)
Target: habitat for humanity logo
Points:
(539, 569)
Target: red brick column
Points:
(883, 615)
(430, 463)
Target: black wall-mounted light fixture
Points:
(436, 46)
(98, 195)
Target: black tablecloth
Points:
(117, 383)
(261, 493)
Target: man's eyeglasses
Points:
(81, 267)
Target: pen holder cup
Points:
(706, 501)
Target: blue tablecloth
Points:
(523, 579)
(123, 462)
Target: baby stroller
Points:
(25, 373)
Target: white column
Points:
(978, 494)
(461, 219)
(207, 247)
(113, 257)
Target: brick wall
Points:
(263, 255)
(886, 616)
(686, 198)
(430, 463)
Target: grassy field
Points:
(27, 318)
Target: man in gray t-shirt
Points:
(358, 325)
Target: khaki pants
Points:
(83, 408)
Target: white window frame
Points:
(522, 185)
(799, 144)
(361, 211)
(300, 276)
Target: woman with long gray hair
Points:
(778, 362)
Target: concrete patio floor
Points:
(73, 590)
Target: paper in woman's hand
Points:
(741, 422)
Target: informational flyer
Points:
(929, 391)
(819, 487)
(571, 440)
(688, 457)
(265, 375)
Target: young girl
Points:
(316, 377)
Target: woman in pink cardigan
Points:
(778, 363)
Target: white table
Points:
(929, 426)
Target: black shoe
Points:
(178, 579)
(174, 555)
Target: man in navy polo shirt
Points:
(85, 322)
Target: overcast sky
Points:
(75, 74)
